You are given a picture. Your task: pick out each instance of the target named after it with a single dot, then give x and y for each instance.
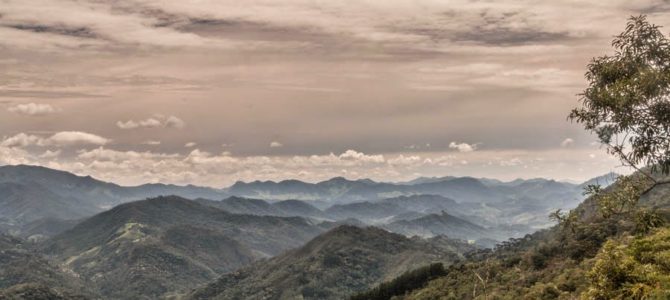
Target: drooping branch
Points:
(654, 185)
(628, 162)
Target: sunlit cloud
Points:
(462, 147)
(59, 139)
(155, 122)
(33, 109)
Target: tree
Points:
(406, 282)
(636, 269)
(627, 101)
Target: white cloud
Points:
(22, 140)
(14, 156)
(33, 109)
(360, 156)
(462, 147)
(127, 125)
(276, 144)
(442, 161)
(151, 143)
(50, 154)
(154, 122)
(404, 160)
(174, 122)
(568, 142)
(63, 138)
(190, 144)
(66, 138)
(103, 154)
(148, 123)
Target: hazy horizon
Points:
(212, 92)
(330, 178)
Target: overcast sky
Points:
(210, 92)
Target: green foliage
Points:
(622, 198)
(337, 264)
(636, 270)
(621, 202)
(611, 246)
(617, 211)
(627, 101)
(332, 260)
(646, 220)
(408, 281)
(554, 264)
(567, 220)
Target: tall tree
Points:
(627, 101)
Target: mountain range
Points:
(37, 202)
(69, 236)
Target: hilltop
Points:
(331, 266)
(167, 245)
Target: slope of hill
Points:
(25, 274)
(441, 224)
(29, 202)
(299, 208)
(588, 256)
(32, 193)
(331, 266)
(26, 207)
(425, 203)
(603, 180)
(95, 192)
(246, 206)
(286, 208)
(369, 212)
(42, 229)
(168, 245)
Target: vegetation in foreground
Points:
(615, 245)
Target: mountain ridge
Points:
(167, 245)
(331, 266)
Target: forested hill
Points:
(616, 244)
(591, 254)
(333, 265)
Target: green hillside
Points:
(594, 253)
(344, 260)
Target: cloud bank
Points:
(391, 88)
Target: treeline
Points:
(406, 282)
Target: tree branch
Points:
(656, 183)
(630, 163)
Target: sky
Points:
(211, 92)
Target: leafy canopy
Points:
(627, 102)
